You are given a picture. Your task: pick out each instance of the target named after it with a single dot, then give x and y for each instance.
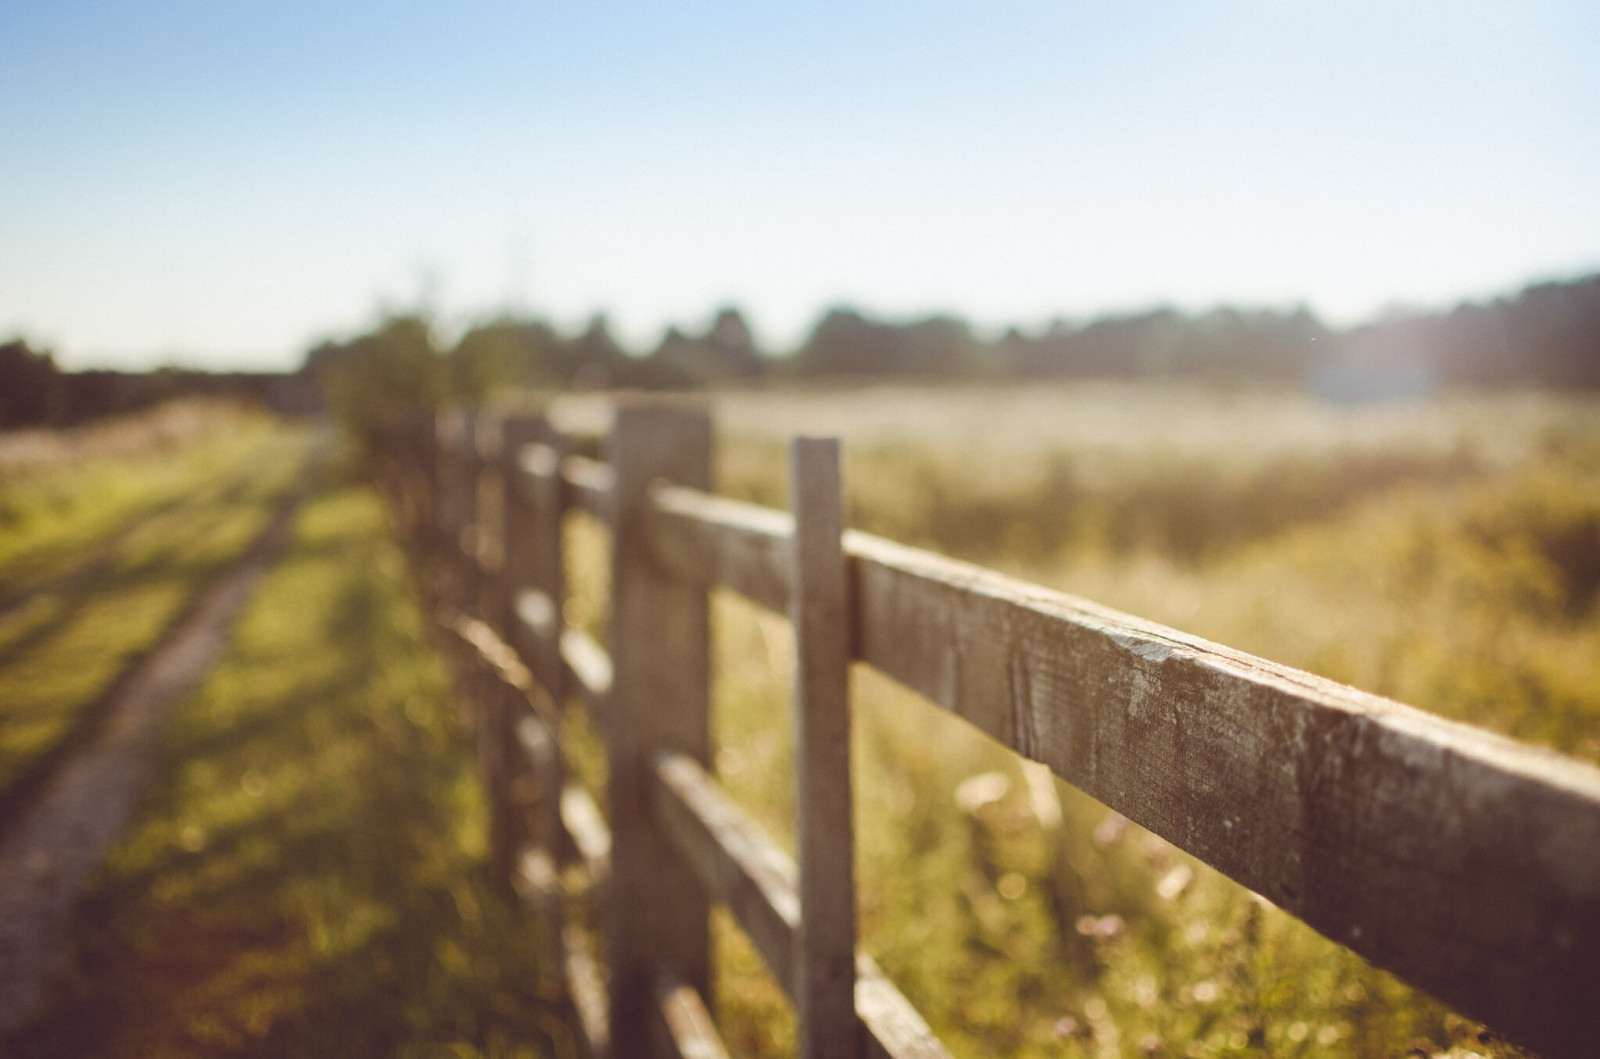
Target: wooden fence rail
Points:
(1466, 863)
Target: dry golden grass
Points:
(1447, 554)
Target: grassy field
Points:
(98, 558)
(307, 876)
(1447, 555)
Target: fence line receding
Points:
(1466, 863)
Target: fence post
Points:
(483, 561)
(819, 611)
(532, 574)
(433, 515)
(476, 597)
(413, 462)
(455, 496)
(535, 577)
(486, 554)
(660, 650)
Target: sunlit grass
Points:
(1475, 601)
(308, 879)
(308, 875)
(1447, 555)
(94, 579)
(51, 514)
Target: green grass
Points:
(308, 876)
(52, 516)
(101, 559)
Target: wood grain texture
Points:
(1466, 863)
(687, 1029)
(660, 700)
(824, 831)
(759, 883)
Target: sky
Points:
(222, 183)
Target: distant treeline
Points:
(1547, 335)
(35, 392)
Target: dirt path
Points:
(49, 851)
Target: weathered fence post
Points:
(660, 649)
(819, 610)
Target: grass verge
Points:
(97, 582)
(56, 512)
(307, 877)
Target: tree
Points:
(30, 386)
(594, 358)
(726, 351)
(374, 379)
(846, 343)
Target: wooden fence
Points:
(1466, 863)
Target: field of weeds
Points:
(1445, 554)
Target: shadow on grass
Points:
(181, 568)
(59, 577)
(185, 554)
(63, 562)
(307, 877)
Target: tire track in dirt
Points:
(48, 853)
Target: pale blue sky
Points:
(224, 181)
